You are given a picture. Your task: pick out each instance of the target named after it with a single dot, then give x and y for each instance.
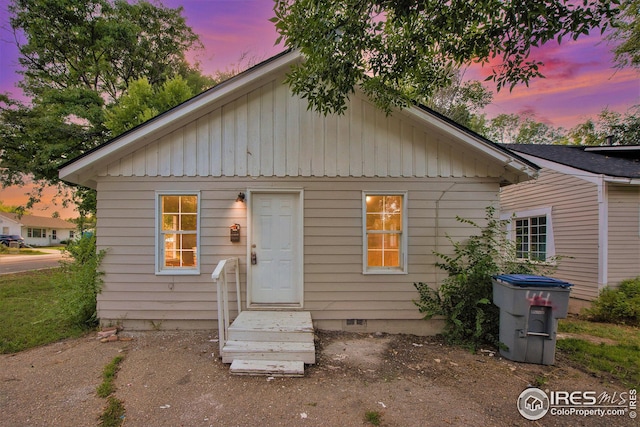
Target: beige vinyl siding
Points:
(270, 132)
(334, 286)
(624, 232)
(574, 212)
(264, 137)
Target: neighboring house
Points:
(585, 208)
(37, 230)
(335, 215)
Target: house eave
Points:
(619, 180)
(516, 168)
(579, 173)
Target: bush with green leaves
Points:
(79, 281)
(465, 297)
(617, 305)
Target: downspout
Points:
(603, 233)
(437, 228)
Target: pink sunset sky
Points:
(580, 77)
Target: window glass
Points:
(37, 233)
(179, 231)
(384, 229)
(531, 238)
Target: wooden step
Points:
(275, 368)
(272, 326)
(266, 350)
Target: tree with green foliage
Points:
(143, 102)
(460, 100)
(610, 127)
(503, 128)
(99, 45)
(627, 34)
(78, 59)
(521, 129)
(400, 50)
(10, 208)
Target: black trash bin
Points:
(530, 307)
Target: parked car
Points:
(7, 239)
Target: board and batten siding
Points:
(624, 233)
(334, 287)
(269, 132)
(574, 211)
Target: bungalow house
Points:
(585, 208)
(336, 216)
(37, 230)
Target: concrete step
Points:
(272, 326)
(276, 368)
(269, 350)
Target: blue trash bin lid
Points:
(526, 280)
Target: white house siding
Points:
(624, 233)
(62, 235)
(9, 226)
(574, 210)
(334, 287)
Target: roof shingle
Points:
(39, 221)
(607, 162)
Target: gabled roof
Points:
(610, 161)
(38, 221)
(85, 168)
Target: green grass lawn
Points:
(22, 251)
(618, 356)
(29, 312)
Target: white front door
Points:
(275, 255)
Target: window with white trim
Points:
(531, 238)
(178, 233)
(36, 233)
(532, 233)
(384, 233)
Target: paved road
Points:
(10, 263)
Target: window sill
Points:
(176, 272)
(385, 271)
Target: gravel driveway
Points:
(176, 379)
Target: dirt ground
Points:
(176, 379)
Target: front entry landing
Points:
(270, 343)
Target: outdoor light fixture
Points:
(240, 197)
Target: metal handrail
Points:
(219, 276)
